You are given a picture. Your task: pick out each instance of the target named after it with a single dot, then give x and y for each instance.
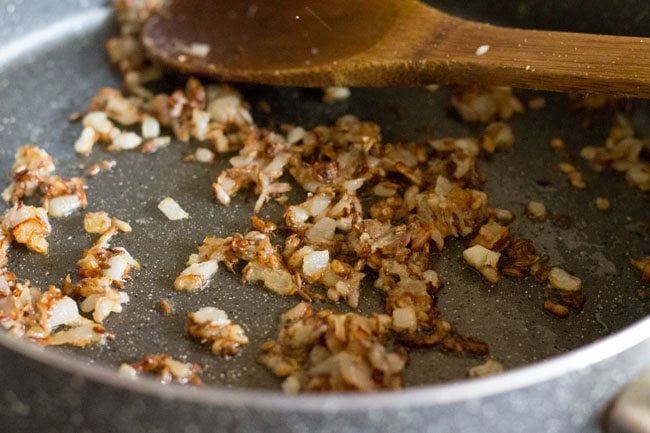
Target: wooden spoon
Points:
(385, 42)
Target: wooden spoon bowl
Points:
(318, 43)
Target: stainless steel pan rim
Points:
(522, 378)
(452, 392)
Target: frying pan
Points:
(561, 373)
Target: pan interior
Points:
(42, 87)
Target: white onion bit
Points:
(172, 210)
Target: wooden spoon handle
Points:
(541, 59)
(553, 60)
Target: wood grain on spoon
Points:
(387, 42)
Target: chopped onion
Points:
(179, 369)
(4, 286)
(291, 385)
(479, 256)
(203, 154)
(404, 319)
(122, 226)
(278, 163)
(109, 304)
(200, 124)
(122, 110)
(196, 276)
(127, 371)
(150, 127)
(172, 210)
(279, 281)
(295, 135)
(211, 315)
(98, 121)
(63, 312)
(119, 264)
(483, 260)
(319, 204)
(20, 213)
(296, 215)
(562, 280)
(536, 210)
(104, 304)
(83, 335)
(322, 231)
(385, 189)
(156, 143)
(315, 263)
(228, 108)
(352, 185)
(126, 141)
(443, 186)
(84, 145)
(97, 222)
(63, 205)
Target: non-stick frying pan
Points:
(561, 371)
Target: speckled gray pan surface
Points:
(47, 75)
